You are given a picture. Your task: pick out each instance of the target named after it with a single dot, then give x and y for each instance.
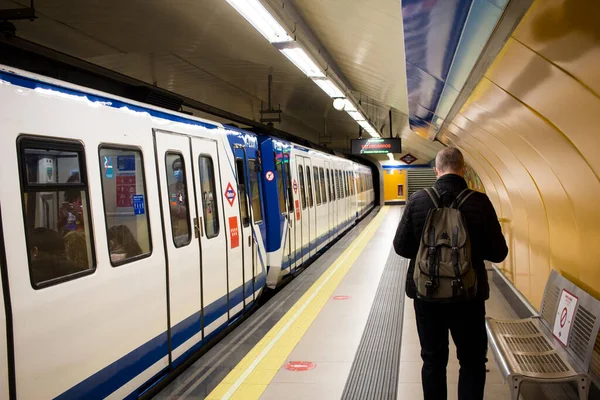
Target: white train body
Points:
(113, 317)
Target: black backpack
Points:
(443, 268)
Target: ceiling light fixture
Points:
(330, 88)
(356, 115)
(339, 104)
(299, 57)
(262, 20)
(391, 157)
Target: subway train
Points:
(131, 236)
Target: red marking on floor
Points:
(296, 366)
(340, 297)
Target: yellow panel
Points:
(529, 130)
(394, 184)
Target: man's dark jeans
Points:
(466, 323)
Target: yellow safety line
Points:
(249, 379)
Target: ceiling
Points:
(205, 50)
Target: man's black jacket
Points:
(487, 241)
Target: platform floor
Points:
(346, 318)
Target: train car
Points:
(131, 236)
(311, 198)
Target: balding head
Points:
(449, 161)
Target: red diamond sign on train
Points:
(230, 194)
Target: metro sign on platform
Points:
(230, 194)
(408, 158)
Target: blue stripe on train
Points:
(107, 101)
(117, 374)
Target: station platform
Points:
(342, 329)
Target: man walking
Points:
(449, 293)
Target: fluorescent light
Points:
(329, 88)
(372, 131)
(356, 115)
(364, 124)
(391, 156)
(261, 19)
(303, 62)
(349, 106)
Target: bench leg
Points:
(583, 387)
(515, 388)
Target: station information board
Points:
(376, 146)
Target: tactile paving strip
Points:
(374, 372)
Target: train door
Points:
(247, 245)
(312, 207)
(334, 208)
(330, 205)
(295, 168)
(305, 219)
(256, 215)
(182, 245)
(348, 198)
(290, 246)
(212, 234)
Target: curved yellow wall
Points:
(531, 131)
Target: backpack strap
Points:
(434, 196)
(461, 198)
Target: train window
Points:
(310, 188)
(125, 205)
(351, 182)
(178, 199)
(317, 185)
(280, 188)
(346, 183)
(331, 196)
(210, 209)
(56, 207)
(288, 175)
(309, 184)
(338, 182)
(323, 185)
(360, 186)
(332, 181)
(255, 191)
(302, 190)
(335, 184)
(241, 183)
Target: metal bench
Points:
(527, 350)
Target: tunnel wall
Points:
(530, 132)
